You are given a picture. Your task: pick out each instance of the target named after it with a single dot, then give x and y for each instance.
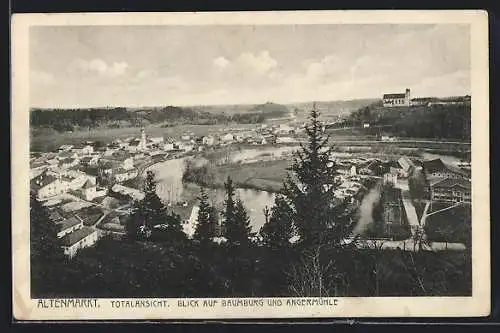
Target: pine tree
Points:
(45, 250)
(150, 212)
(229, 204)
(205, 231)
(239, 231)
(236, 221)
(213, 217)
(278, 229)
(310, 187)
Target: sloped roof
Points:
(452, 182)
(393, 96)
(40, 182)
(436, 165)
(68, 223)
(66, 154)
(88, 184)
(76, 236)
(433, 165)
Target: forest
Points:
(65, 120)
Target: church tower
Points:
(407, 97)
(142, 143)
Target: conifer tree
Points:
(239, 231)
(229, 204)
(205, 231)
(278, 229)
(150, 212)
(310, 187)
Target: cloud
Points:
(261, 64)
(247, 66)
(146, 74)
(42, 78)
(221, 62)
(98, 67)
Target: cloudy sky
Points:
(189, 65)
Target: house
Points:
(227, 137)
(120, 175)
(131, 192)
(87, 150)
(65, 148)
(285, 139)
(208, 140)
(68, 225)
(46, 186)
(79, 239)
(366, 125)
(453, 190)
(64, 155)
(390, 100)
(169, 146)
(156, 140)
(186, 137)
(390, 178)
(91, 191)
(110, 151)
(134, 146)
(90, 161)
(436, 169)
(284, 129)
(68, 163)
(407, 166)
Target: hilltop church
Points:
(403, 99)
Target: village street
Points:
(417, 229)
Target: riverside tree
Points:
(278, 229)
(205, 228)
(309, 189)
(236, 221)
(309, 192)
(151, 212)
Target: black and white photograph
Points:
(290, 165)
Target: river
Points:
(170, 188)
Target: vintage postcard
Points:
(250, 165)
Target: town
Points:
(401, 201)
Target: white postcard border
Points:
(25, 308)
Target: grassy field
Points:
(263, 175)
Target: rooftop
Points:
(76, 236)
(68, 223)
(436, 165)
(452, 182)
(392, 96)
(42, 181)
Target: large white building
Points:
(400, 99)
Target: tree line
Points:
(299, 251)
(63, 120)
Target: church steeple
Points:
(142, 143)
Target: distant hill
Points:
(436, 120)
(271, 110)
